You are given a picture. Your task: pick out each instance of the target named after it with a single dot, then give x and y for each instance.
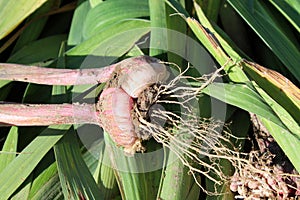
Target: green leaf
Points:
(178, 7)
(130, 172)
(95, 2)
(178, 24)
(158, 38)
(289, 11)
(282, 114)
(207, 39)
(46, 185)
(277, 86)
(39, 52)
(135, 51)
(20, 168)
(9, 150)
(34, 29)
(78, 20)
(113, 42)
(210, 8)
(76, 179)
(265, 27)
(104, 173)
(234, 73)
(109, 13)
(244, 97)
(5, 87)
(13, 12)
(23, 191)
(177, 183)
(288, 142)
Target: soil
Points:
(142, 107)
(269, 173)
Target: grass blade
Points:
(23, 193)
(130, 175)
(95, 2)
(234, 73)
(292, 128)
(284, 116)
(104, 174)
(76, 179)
(206, 37)
(20, 168)
(288, 142)
(5, 87)
(178, 24)
(46, 185)
(247, 99)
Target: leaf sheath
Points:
(47, 114)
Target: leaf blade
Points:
(76, 179)
(14, 12)
(271, 35)
(10, 179)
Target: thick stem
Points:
(52, 76)
(47, 114)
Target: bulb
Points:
(145, 72)
(115, 107)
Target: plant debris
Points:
(268, 174)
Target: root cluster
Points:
(169, 114)
(261, 179)
(268, 173)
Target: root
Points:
(181, 130)
(200, 144)
(269, 173)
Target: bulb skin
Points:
(115, 107)
(116, 102)
(145, 72)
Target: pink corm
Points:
(112, 112)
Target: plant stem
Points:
(47, 114)
(52, 76)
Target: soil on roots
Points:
(269, 174)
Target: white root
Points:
(192, 138)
